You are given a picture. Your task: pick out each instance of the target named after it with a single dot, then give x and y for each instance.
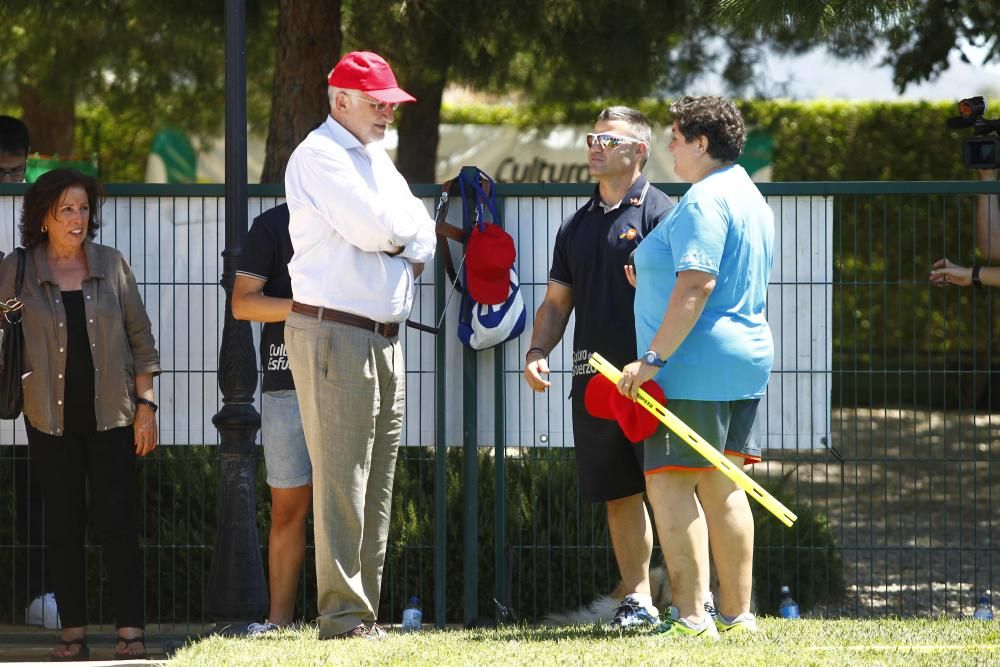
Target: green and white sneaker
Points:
(679, 628)
(745, 623)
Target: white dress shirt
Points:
(348, 206)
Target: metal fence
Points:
(877, 420)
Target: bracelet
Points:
(148, 403)
(975, 276)
(534, 349)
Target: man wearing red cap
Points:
(588, 276)
(360, 238)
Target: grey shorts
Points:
(284, 441)
(729, 426)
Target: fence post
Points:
(470, 459)
(440, 446)
(236, 590)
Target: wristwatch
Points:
(975, 276)
(653, 359)
(148, 403)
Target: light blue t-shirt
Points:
(724, 227)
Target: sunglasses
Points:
(608, 141)
(16, 172)
(378, 106)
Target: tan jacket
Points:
(121, 337)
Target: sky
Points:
(816, 75)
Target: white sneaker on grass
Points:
(675, 613)
(682, 629)
(257, 629)
(632, 613)
(744, 623)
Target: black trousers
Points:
(66, 464)
(29, 527)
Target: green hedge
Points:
(813, 141)
(561, 553)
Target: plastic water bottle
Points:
(788, 608)
(412, 615)
(984, 611)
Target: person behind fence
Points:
(701, 286)
(41, 607)
(360, 239)
(89, 407)
(946, 272)
(590, 250)
(263, 292)
(13, 150)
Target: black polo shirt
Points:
(266, 254)
(591, 250)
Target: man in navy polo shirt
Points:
(588, 276)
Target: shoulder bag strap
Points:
(19, 276)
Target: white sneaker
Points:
(257, 629)
(745, 622)
(675, 613)
(42, 611)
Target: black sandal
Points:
(125, 655)
(82, 654)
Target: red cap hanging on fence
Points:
(489, 257)
(369, 73)
(603, 401)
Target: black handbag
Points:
(12, 348)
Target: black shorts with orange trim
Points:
(608, 465)
(729, 426)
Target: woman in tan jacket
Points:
(89, 408)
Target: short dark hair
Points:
(717, 119)
(43, 196)
(637, 122)
(13, 136)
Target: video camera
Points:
(980, 151)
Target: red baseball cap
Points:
(603, 401)
(489, 257)
(370, 73)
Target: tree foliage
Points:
(917, 36)
(156, 63)
(556, 51)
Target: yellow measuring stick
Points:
(700, 445)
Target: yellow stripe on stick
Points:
(700, 445)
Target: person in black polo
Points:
(263, 293)
(588, 276)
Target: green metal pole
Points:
(440, 448)
(500, 461)
(470, 536)
(470, 456)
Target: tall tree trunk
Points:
(51, 122)
(416, 155)
(308, 46)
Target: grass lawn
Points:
(806, 642)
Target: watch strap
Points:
(148, 403)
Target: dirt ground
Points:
(914, 507)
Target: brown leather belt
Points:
(389, 330)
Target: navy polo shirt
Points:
(591, 250)
(266, 254)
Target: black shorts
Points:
(608, 465)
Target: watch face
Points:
(652, 359)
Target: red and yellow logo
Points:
(628, 234)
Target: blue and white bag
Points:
(482, 326)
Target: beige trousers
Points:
(350, 383)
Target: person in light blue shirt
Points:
(702, 334)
